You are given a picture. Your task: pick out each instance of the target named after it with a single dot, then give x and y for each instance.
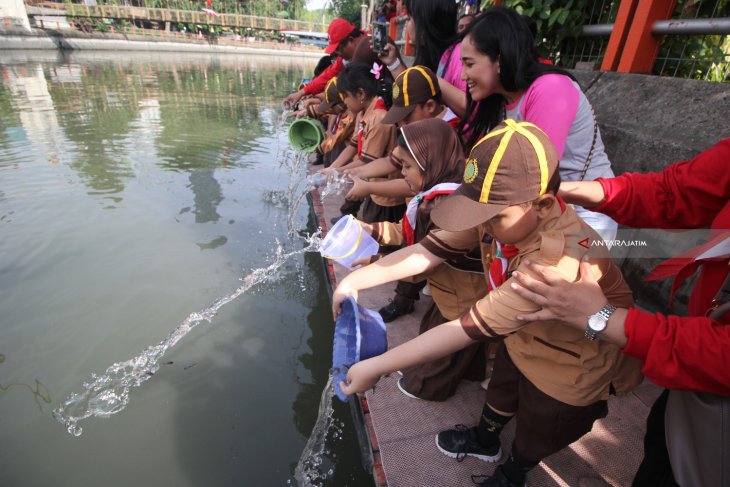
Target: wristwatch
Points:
(597, 322)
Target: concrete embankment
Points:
(80, 41)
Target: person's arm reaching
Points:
(406, 262)
(394, 188)
(678, 352)
(687, 194)
(374, 169)
(435, 343)
(453, 97)
(347, 154)
(587, 194)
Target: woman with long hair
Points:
(505, 80)
(431, 28)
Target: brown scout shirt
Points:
(343, 132)
(455, 285)
(555, 357)
(378, 140)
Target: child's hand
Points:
(359, 189)
(355, 171)
(361, 377)
(342, 292)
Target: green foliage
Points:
(696, 57)
(347, 9)
(558, 20)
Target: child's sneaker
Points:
(462, 442)
(402, 387)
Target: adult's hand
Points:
(390, 55)
(570, 302)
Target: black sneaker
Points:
(319, 160)
(395, 310)
(497, 479)
(461, 442)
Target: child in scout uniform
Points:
(416, 96)
(341, 123)
(363, 87)
(432, 161)
(554, 379)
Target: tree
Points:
(347, 9)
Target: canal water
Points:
(135, 191)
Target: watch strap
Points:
(604, 313)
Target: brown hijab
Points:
(437, 150)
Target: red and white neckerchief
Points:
(379, 105)
(500, 264)
(409, 217)
(498, 268)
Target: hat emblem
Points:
(471, 170)
(396, 91)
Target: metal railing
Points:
(180, 16)
(695, 43)
(591, 46)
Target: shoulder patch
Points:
(552, 246)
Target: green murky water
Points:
(136, 189)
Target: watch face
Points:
(597, 323)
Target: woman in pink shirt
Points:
(505, 80)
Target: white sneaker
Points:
(426, 291)
(403, 389)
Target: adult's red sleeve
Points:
(318, 84)
(686, 353)
(687, 194)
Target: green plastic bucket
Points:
(305, 134)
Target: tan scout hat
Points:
(332, 96)
(510, 165)
(412, 87)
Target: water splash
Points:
(338, 183)
(313, 469)
(108, 393)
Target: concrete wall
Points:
(14, 12)
(647, 123)
(78, 41)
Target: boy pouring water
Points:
(555, 380)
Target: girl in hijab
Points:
(432, 162)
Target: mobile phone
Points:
(380, 36)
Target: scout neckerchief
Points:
(686, 263)
(500, 264)
(379, 105)
(409, 218)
